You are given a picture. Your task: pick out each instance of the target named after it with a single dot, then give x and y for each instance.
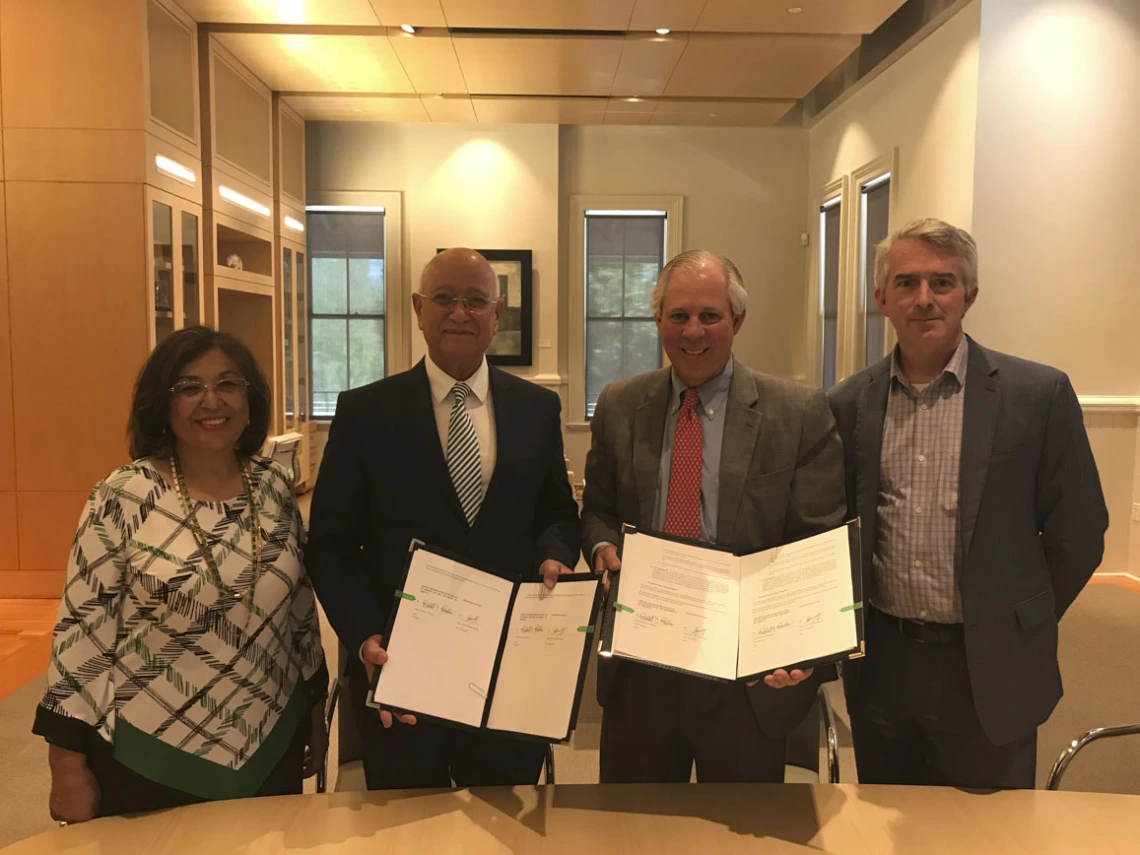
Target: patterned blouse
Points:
(196, 688)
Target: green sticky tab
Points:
(851, 607)
(405, 595)
(585, 629)
(618, 607)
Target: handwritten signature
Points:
(768, 630)
(698, 632)
(655, 620)
(812, 620)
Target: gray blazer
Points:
(781, 479)
(1031, 517)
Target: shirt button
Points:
(924, 407)
(918, 510)
(921, 458)
(922, 613)
(917, 563)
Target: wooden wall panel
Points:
(173, 83)
(292, 157)
(79, 327)
(47, 522)
(44, 42)
(243, 121)
(31, 584)
(7, 435)
(100, 156)
(9, 544)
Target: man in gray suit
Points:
(983, 518)
(706, 449)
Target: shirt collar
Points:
(442, 383)
(956, 367)
(712, 393)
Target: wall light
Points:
(175, 169)
(408, 28)
(295, 225)
(795, 10)
(663, 31)
(231, 195)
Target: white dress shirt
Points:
(479, 408)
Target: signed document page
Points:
(444, 641)
(678, 605)
(547, 633)
(796, 603)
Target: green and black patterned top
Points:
(194, 687)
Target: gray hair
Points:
(936, 233)
(693, 261)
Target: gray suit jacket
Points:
(781, 479)
(1031, 519)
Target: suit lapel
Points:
(871, 412)
(648, 431)
(741, 431)
(979, 420)
(425, 437)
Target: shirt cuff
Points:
(594, 551)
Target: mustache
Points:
(926, 316)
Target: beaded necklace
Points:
(200, 535)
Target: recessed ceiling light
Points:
(663, 31)
(712, 115)
(795, 10)
(633, 100)
(408, 28)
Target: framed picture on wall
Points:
(513, 268)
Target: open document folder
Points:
(699, 608)
(476, 650)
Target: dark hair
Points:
(148, 428)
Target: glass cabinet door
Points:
(302, 341)
(287, 309)
(191, 283)
(162, 236)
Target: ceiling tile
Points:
(563, 111)
(539, 14)
(418, 13)
(756, 66)
(747, 113)
(538, 65)
(358, 108)
(674, 14)
(296, 63)
(646, 64)
(429, 61)
(816, 16)
(448, 109)
(321, 12)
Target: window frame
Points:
(579, 204)
(869, 173)
(397, 293)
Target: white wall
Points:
(743, 197)
(1057, 213)
(483, 186)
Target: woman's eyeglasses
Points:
(231, 388)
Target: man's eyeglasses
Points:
(476, 304)
(231, 388)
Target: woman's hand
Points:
(318, 744)
(74, 790)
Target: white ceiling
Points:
(726, 62)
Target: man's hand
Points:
(74, 790)
(781, 679)
(372, 654)
(551, 570)
(318, 744)
(606, 561)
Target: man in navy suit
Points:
(464, 457)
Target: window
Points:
(625, 250)
(830, 228)
(618, 245)
(348, 283)
(874, 210)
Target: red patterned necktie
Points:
(683, 509)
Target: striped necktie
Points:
(463, 455)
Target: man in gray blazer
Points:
(983, 518)
(706, 449)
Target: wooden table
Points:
(585, 819)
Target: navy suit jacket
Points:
(1031, 519)
(384, 481)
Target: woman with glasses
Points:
(186, 664)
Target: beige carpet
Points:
(1099, 640)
